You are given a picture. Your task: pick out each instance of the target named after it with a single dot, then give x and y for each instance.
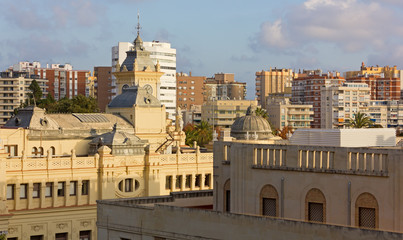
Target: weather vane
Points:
(138, 24)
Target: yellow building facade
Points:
(54, 167)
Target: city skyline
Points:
(210, 37)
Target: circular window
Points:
(128, 185)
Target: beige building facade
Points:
(282, 113)
(341, 103)
(272, 81)
(14, 89)
(222, 113)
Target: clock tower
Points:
(138, 69)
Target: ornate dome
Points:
(120, 141)
(251, 127)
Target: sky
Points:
(211, 36)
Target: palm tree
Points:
(204, 133)
(262, 113)
(360, 120)
(201, 133)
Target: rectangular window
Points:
(61, 236)
(37, 237)
(198, 180)
(168, 182)
(60, 189)
(129, 185)
(73, 188)
(85, 235)
(36, 192)
(178, 181)
(49, 189)
(85, 187)
(366, 217)
(12, 150)
(227, 200)
(269, 207)
(23, 190)
(315, 212)
(10, 191)
(207, 180)
(188, 181)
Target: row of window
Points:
(366, 205)
(48, 188)
(84, 235)
(188, 181)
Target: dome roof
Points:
(120, 141)
(251, 127)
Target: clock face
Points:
(148, 88)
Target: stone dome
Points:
(251, 127)
(119, 141)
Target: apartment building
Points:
(63, 81)
(222, 113)
(390, 113)
(378, 112)
(189, 90)
(386, 83)
(14, 89)
(306, 89)
(282, 113)
(104, 86)
(224, 87)
(272, 81)
(341, 102)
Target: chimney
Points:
(190, 73)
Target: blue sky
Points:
(235, 36)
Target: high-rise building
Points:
(189, 90)
(223, 87)
(64, 82)
(272, 81)
(162, 53)
(306, 89)
(14, 89)
(386, 83)
(282, 113)
(104, 86)
(341, 102)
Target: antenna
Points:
(138, 27)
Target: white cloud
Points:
(352, 25)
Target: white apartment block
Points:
(340, 103)
(14, 89)
(166, 56)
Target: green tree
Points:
(36, 92)
(204, 133)
(201, 133)
(78, 104)
(360, 120)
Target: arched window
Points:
(269, 201)
(366, 211)
(227, 196)
(40, 151)
(315, 206)
(52, 151)
(34, 151)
